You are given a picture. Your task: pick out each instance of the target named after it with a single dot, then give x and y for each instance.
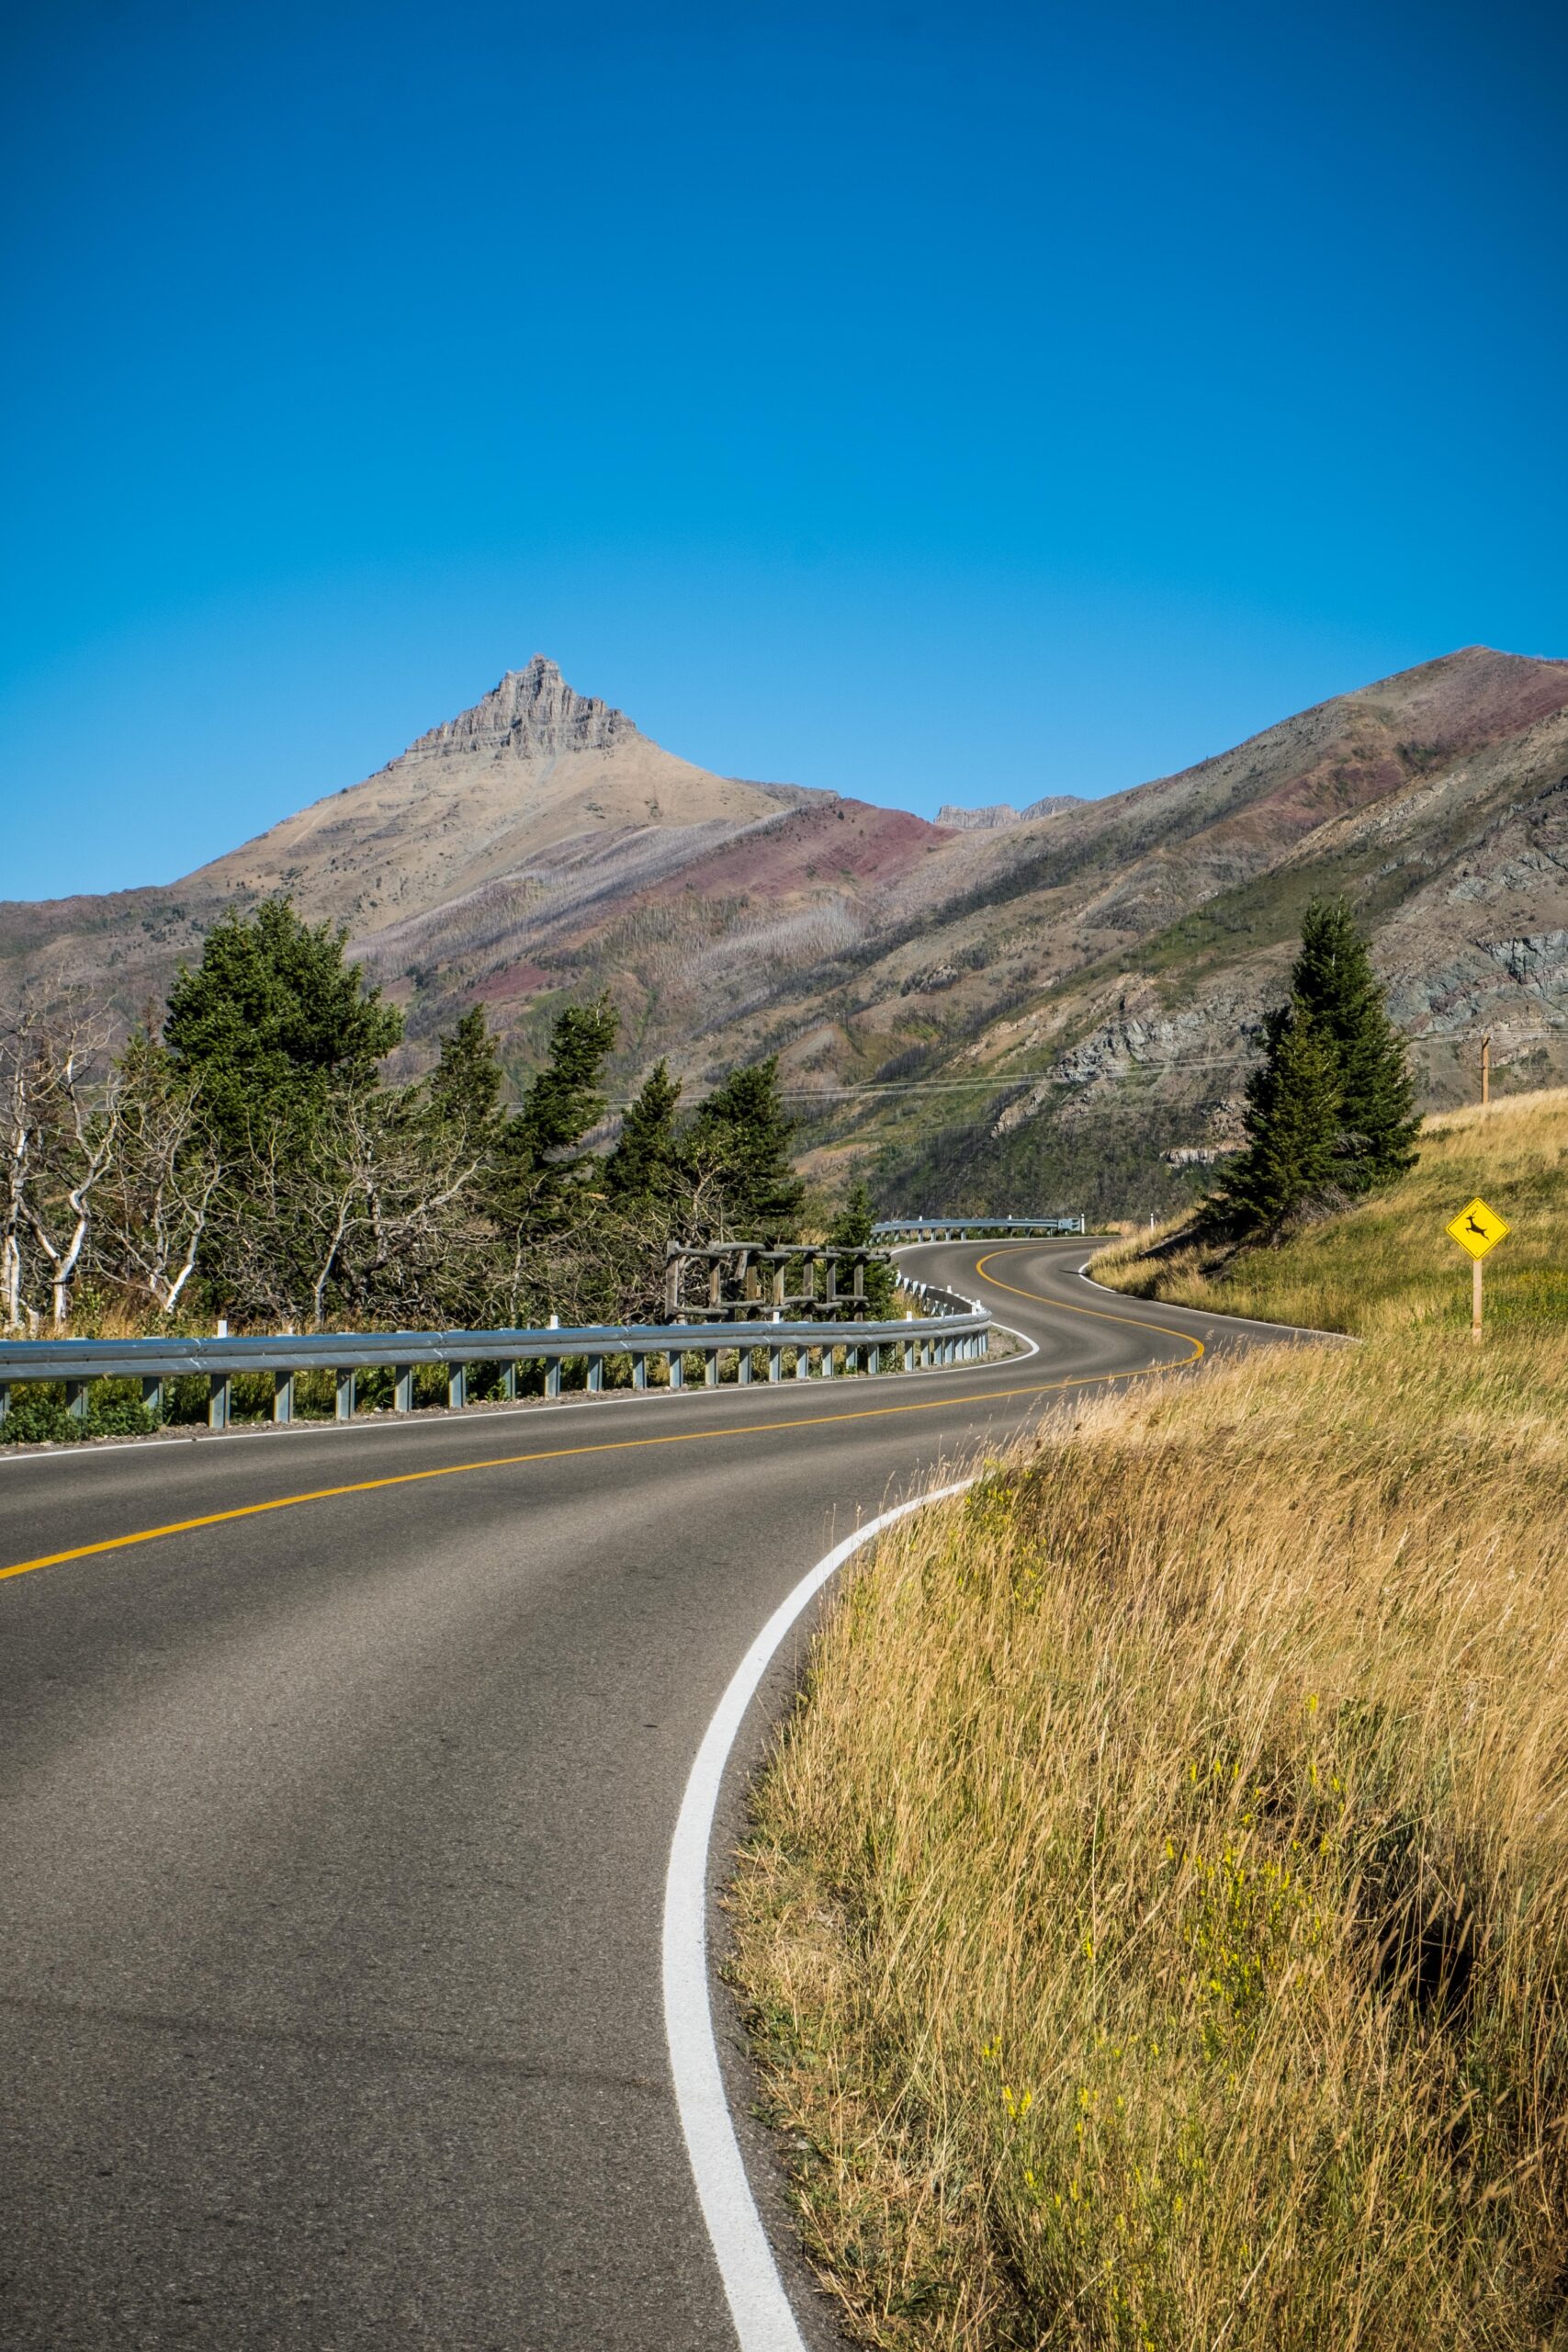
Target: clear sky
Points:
(933, 402)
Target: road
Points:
(335, 1838)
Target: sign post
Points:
(1477, 1229)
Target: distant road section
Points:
(336, 1839)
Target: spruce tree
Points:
(538, 1166)
(1292, 1126)
(644, 1165)
(272, 1022)
(851, 1229)
(464, 1089)
(1334, 980)
(738, 1138)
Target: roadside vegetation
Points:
(245, 1155)
(245, 1158)
(1153, 1925)
(1155, 1922)
(1387, 1265)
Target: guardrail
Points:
(961, 1334)
(965, 1228)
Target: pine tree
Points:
(465, 1086)
(1292, 1124)
(851, 1229)
(738, 1141)
(272, 1022)
(537, 1167)
(644, 1165)
(1334, 980)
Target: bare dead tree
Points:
(61, 1115)
(361, 1206)
(159, 1193)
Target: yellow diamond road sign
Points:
(1478, 1229)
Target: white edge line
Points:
(764, 2321)
(1210, 1314)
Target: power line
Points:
(999, 1081)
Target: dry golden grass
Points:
(1155, 1923)
(1389, 1264)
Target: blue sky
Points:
(932, 404)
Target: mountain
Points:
(1059, 1005)
(535, 795)
(502, 788)
(1001, 813)
(1101, 978)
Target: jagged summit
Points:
(533, 778)
(1001, 813)
(532, 713)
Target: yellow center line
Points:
(1096, 1314)
(619, 1445)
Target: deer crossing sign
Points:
(1478, 1229)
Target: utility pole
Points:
(1485, 1087)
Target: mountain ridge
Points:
(1086, 969)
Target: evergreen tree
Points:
(539, 1169)
(1334, 979)
(272, 1021)
(851, 1229)
(1292, 1124)
(464, 1089)
(645, 1165)
(738, 1141)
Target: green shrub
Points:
(37, 1416)
(115, 1409)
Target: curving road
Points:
(335, 1836)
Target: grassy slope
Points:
(1391, 1264)
(1155, 1923)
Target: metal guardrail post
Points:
(152, 1395)
(77, 1399)
(953, 1331)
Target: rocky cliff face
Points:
(1001, 813)
(532, 713)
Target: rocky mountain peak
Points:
(1001, 813)
(532, 713)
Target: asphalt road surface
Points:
(334, 1841)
